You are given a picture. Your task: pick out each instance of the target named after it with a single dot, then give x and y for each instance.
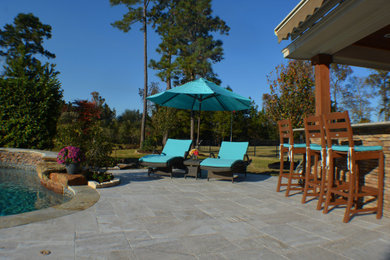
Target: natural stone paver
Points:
(162, 218)
(212, 256)
(253, 254)
(317, 253)
(98, 243)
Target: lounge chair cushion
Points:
(157, 158)
(216, 162)
(229, 154)
(175, 147)
(233, 150)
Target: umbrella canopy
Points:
(201, 95)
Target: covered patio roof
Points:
(353, 32)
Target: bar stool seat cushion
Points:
(358, 148)
(295, 145)
(315, 147)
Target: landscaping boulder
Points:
(44, 168)
(68, 179)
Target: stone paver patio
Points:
(162, 218)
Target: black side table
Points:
(193, 166)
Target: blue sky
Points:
(91, 55)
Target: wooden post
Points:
(322, 88)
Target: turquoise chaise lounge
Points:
(232, 158)
(172, 156)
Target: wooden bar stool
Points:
(352, 190)
(316, 148)
(287, 146)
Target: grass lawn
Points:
(265, 157)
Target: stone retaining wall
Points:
(19, 160)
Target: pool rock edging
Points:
(43, 162)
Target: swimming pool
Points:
(21, 191)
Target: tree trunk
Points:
(166, 132)
(335, 97)
(169, 86)
(198, 134)
(165, 137)
(143, 122)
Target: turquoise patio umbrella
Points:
(201, 95)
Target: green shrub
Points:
(98, 148)
(29, 110)
(148, 145)
(99, 176)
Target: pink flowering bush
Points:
(70, 154)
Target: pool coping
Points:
(83, 198)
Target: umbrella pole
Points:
(197, 137)
(192, 127)
(231, 127)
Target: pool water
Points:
(21, 191)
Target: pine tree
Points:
(138, 11)
(30, 92)
(188, 47)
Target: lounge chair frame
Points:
(227, 173)
(166, 168)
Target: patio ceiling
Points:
(353, 32)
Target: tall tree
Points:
(292, 92)
(164, 23)
(25, 37)
(339, 73)
(188, 47)
(380, 81)
(197, 47)
(138, 11)
(30, 92)
(356, 99)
